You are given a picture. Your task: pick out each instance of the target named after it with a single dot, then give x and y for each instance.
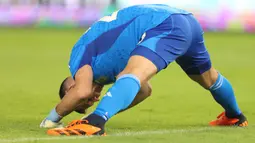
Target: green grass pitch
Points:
(35, 61)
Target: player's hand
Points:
(50, 124)
(82, 108)
(92, 100)
(95, 96)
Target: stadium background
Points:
(214, 15)
(36, 37)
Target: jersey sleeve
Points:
(80, 57)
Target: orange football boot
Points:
(77, 128)
(223, 120)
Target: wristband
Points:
(54, 116)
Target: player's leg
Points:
(196, 63)
(221, 90)
(206, 79)
(223, 93)
(143, 94)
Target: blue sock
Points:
(119, 96)
(223, 93)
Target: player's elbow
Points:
(83, 94)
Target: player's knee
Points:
(206, 85)
(140, 67)
(212, 78)
(135, 72)
(149, 90)
(146, 90)
(207, 79)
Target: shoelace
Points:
(222, 117)
(222, 114)
(77, 122)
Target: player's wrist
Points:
(54, 116)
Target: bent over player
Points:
(129, 48)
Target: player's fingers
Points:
(97, 94)
(90, 103)
(96, 99)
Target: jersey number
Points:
(110, 18)
(107, 19)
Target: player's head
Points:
(67, 84)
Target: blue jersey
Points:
(107, 44)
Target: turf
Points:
(35, 61)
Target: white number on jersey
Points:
(110, 18)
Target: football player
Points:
(128, 48)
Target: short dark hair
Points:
(62, 90)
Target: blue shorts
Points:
(179, 38)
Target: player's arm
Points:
(144, 93)
(79, 94)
